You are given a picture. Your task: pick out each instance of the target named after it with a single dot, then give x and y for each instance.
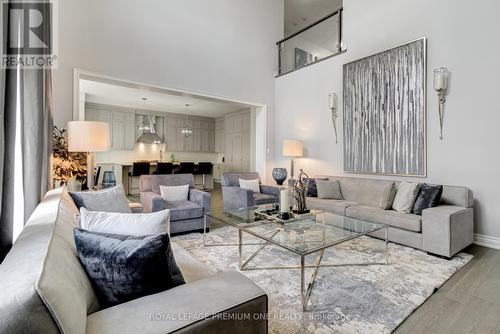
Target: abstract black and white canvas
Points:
(385, 112)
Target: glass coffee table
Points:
(302, 235)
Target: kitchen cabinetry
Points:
(237, 142)
(201, 140)
(121, 125)
(219, 135)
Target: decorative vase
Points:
(279, 175)
(108, 179)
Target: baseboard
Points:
(487, 241)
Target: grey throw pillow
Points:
(122, 268)
(329, 189)
(312, 189)
(107, 200)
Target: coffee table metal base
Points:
(304, 292)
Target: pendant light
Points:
(186, 130)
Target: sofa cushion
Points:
(191, 268)
(109, 200)
(184, 210)
(393, 218)
(329, 205)
(260, 199)
(253, 185)
(62, 283)
(378, 193)
(329, 189)
(124, 267)
(125, 223)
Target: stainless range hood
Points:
(148, 131)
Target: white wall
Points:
(461, 38)
(223, 48)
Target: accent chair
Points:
(235, 197)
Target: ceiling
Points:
(301, 13)
(105, 93)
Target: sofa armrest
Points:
(236, 197)
(226, 303)
(201, 198)
(447, 229)
(147, 199)
(270, 190)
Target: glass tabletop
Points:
(302, 234)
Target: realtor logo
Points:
(29, 37)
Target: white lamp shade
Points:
(86, 136)
(293, 148)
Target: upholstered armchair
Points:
(235, 197)
(184, 215)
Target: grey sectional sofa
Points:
(443, 230)
(44, 289)
(185, 216)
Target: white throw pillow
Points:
(405, 196)
(252, 185)
(175, 193)
(137, 224)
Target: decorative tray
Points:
(273, 215)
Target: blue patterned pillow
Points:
(428, 197)
(123, 268)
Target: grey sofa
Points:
(184, 216)
(44, 289)
(443, 230)
(235, 197)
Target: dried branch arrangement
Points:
(66, 164)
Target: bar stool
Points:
(185, 168)
(164, 168)
(204, 169)
(138, 169)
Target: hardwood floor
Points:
(469, 302)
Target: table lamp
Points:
(90, 137)
(293, 149)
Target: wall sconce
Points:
(332, 103)
(440, 85)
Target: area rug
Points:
(346, 299)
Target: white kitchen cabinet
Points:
(121, 125)
(237, 142)
(117, 130)
(129, 134)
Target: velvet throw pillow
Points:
(122, 268)
(329, 189)
(108, 200)
(428, 197)
(312, 188)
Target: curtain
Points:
(26, 109)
